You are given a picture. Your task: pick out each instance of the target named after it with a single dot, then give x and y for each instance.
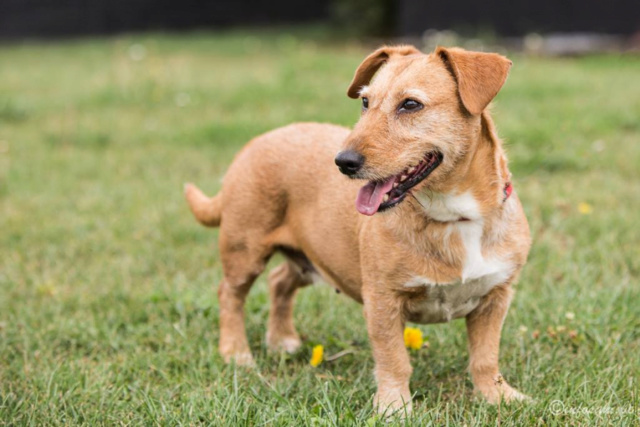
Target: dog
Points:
(437, 232)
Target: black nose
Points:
(349, 162)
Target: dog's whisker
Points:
(418, 201)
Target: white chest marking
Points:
(446, 301)
(449, 207)
(476, 266)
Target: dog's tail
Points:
(207, 210)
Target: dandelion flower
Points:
(47, 289)
(413, 338)
(570, 315)
(316, 356)
(585, 208)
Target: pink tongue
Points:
(370, 196)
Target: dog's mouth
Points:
(377, 196)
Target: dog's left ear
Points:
(479, 75)
(372, 63)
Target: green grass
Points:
(107, 305)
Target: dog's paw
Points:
(290, 344)
(240, 359)
(393, 402)
(498, 390)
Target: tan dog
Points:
(439, 235)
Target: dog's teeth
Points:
(385, 198)
(395, 184)
(403, 177)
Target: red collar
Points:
(508, 189)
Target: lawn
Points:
(108, 312)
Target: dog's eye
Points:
(365, 103)
(410, 105)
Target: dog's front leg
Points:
(385, 323)
(484, 326)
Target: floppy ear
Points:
(372, 63)
(479, 75)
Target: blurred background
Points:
(558, 27)
(108, 312)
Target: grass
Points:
(107, 305)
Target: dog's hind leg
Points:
(284, 282)
(242, 265)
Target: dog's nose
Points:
(349, 162)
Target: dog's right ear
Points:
(372, 63)
(479, 75)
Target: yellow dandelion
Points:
(47, 289)
(585, 208)
(413, 338)
(316, 356)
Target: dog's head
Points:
(421, 115)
